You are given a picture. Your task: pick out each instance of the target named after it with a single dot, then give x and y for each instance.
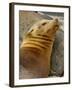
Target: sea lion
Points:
(36, 48)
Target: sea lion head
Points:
(45, 27)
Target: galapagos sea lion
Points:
(36, 48)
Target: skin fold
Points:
(36, 48)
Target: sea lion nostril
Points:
(56, 20)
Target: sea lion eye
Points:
(44, 23)
(31, 30)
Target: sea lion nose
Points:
(56, 19)
(56, 23)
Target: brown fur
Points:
(36, 48)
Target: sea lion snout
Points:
(52, 27)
